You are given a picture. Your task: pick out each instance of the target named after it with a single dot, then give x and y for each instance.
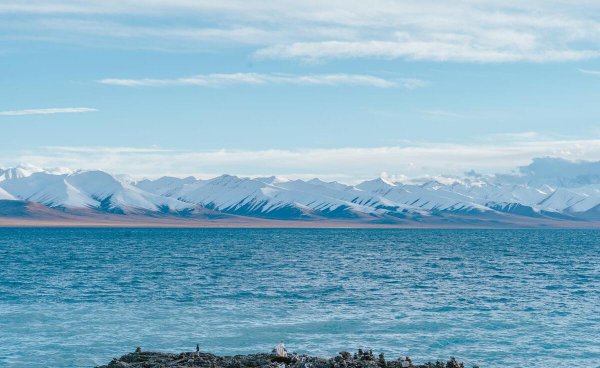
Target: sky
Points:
(343, 90)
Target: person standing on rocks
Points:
(404, 362)
(280, 350)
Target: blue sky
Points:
(340, 89)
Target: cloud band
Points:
(53, 110)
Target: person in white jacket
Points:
(280, 350)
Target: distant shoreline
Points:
(268, 224)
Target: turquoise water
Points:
(521, 298)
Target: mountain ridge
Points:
(535, 194)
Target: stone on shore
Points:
(140, 359)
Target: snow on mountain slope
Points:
(165, 186)
(223, 190)
(573, 200)
(25, 170)
(288, 198)
(330, 199)
(560, 200)
(116, 195)
(47, 189)
(20, 171)
(590, 200)
(491, 192)
(364, 196)
(331, 185)
(87, 189)
(536, 191)
(431, 196)
(5, 195)
(279, 197)
(238, 195)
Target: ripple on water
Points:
(77, 297)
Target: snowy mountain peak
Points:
(272, 179)
(376, 184)
(19, 171)
(536, 191)
(24, 170)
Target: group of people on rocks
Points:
(405, 362)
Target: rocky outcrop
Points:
(361, 359)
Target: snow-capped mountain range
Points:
(548, 189)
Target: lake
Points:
(78, 297)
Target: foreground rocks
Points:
(361, 359)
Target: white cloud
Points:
(347, 164)
(101, 150)
(54, 110)
(441, 114)
(590, 72)
(219, 80)
(186, 36)
(467, 31)
(413, 83)
(526, 136)
(456, 50)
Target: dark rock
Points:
(362, 359)
(280, 359)
(452, 363)
(381, 360)
(345, 355)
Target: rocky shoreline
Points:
(360, 359)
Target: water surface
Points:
(522, 298)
